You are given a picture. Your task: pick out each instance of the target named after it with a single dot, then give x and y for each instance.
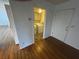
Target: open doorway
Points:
(39, 21)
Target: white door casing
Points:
(62, 21)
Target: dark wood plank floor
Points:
(50, 48)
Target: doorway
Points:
(39, 20)
(62, 24)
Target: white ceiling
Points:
(55, 2)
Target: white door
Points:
(23, 19)
(62, 21)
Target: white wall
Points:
(12, 25)
(3, 15)
(73, 35)
(21, 13)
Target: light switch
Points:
(29, 19)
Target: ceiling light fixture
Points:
(40, 10)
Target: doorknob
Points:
(72, 26)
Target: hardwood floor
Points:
(38, 36)
(50, 48)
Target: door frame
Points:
(44, 22)
(70, 23)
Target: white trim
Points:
(44, 24)
(21, 47)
